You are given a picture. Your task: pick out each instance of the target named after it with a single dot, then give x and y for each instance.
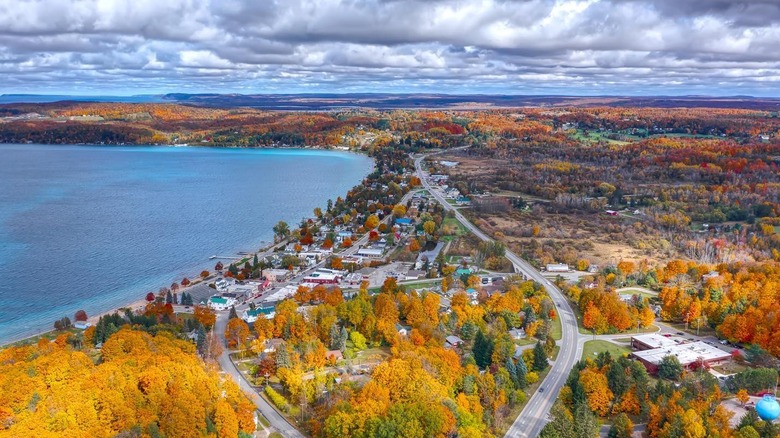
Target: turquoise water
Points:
(94, 227)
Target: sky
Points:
(573, 47)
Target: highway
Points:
(534, 415)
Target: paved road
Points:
(277, 421)
(534, 416)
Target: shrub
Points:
(277, 399)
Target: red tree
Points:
(150, 297)
(80, 315)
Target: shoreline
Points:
(141, 302)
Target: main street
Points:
(534, 415)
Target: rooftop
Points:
(685, 353)
(654, 340)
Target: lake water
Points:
(94, 227)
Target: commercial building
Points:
(690, 355)
(557, 267)
(221, 303)
(322, 278)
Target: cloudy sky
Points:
(627, 47)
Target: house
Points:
(462, 201)
(453, 342)
(222, 284)
(612, 212)
(462, 271)
(517, 333)
(415, 274)
(82, 325)
(193, 335)
(402, 330)
(403, 221)
(221, 303)
(273, 344)
(428, 256)
(334, 355)
(342, 235)
(251, 315)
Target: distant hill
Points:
(324, 102)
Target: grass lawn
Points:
(422, 284)
(45, 335)
(730, 368)
(557, 329)
(460, 230)
(591, 348)
(264, 421)
(637, 292)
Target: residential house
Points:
(517, 333)
(402, 330)
(453, 342)
(251, 315)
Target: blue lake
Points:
(94, 227)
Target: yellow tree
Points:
(372, 222)
(236, 333)
(597, 390)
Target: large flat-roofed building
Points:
(688, 354)
(652, 340)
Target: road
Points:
(277, 420)
(534, 416)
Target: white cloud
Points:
(512, 46)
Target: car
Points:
(724, 342)
(680, 334)
(667, 335)
(541, 389)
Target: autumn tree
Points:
(236, 333)
(205, 316)
(371, 222)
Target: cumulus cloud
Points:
(448, 46)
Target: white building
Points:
(221, 303)
(557, 267)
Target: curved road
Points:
(534, 416)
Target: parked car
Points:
(724, 342)
(668, 335)
(680, 334)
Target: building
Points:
(517, 333)
(689, 354)
(354, 278)
(322, 278)
(273, 344)
(453, 342)
(402, 330)
(653, 340)
(334, 355)
(252, 315)
(277, 275)
(557, 267)
(282, 294)
(221, 303)
(462, 201)
(372, 253)
(222, 284)
(428, 256)
(403, 221)
(82, 325)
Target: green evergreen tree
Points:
(670, 368)
(483, 350)
(621, 427)
(522, 372)
(283, 357)
(233, 313)
(540, 358)
(168, 298)
(201, 339)
(512, 369)
(585, 424)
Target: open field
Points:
(592, 348)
